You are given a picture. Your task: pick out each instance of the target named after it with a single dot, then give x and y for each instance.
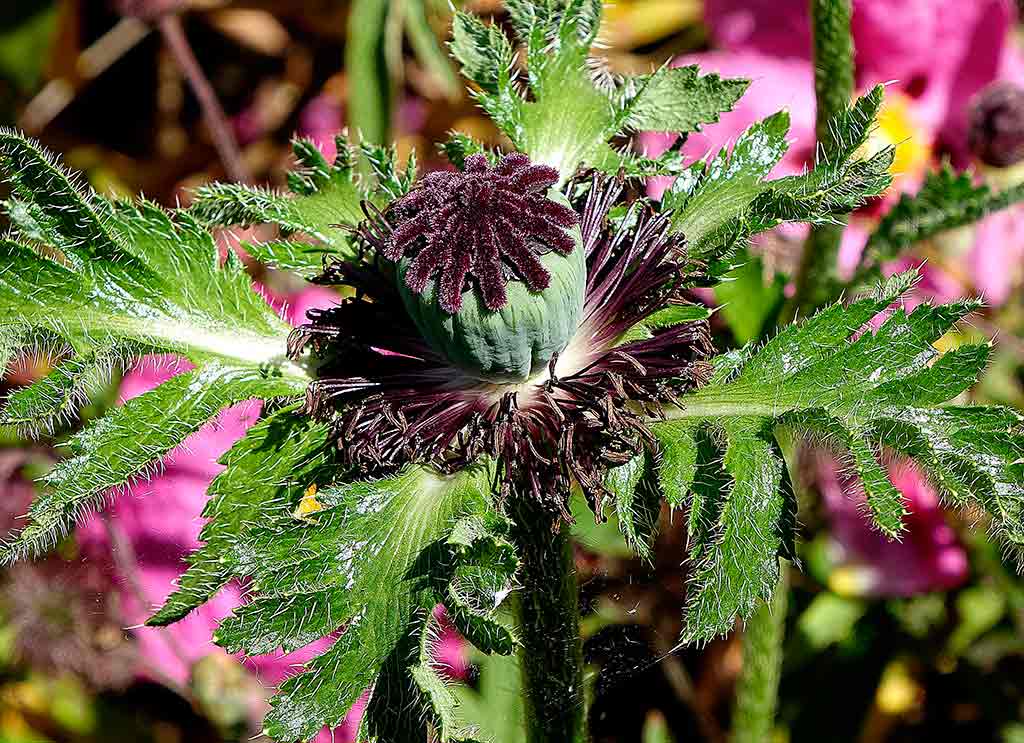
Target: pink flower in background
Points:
(938, 52)
(450, 650)
(996, 260)
(928, 557)
(16, 491)
(776, 28)
(320, 120)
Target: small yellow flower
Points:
(898, 127)
(309, 504)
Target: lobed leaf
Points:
(129, 442)
(324, 198)
(681, 100)
(124, 276)
(720, 203)
(637, 505)
(860, 389)
(740, 566)
(368, 559)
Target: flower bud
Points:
(997, 125)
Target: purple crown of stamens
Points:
(485, 224)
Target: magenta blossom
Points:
(938, 52)
(320, 120)
(451, 650)
(928, 556)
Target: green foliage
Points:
(945, 201)
(119, 274)
(495, 705)
(54, 400)
(372, 557)
(719, 203)
(366, 60)
(881, 390)
(374, 57)
(102, 283)
(757, 693)
(267, 471)
(681, 100)
(459, 146)
(747, 301)
(128, 442)
(637, 504)
(325, 197)
(324, 553)
(572, 111)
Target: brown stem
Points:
(123, 553)
(213, 114)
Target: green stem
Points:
(370, 86)
(757, 690)
(833, 89)
(551, 656)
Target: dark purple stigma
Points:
(483, 224)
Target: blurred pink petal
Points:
(451, 650)
(855, 237)
(996, 261)
(970, 51)
(16, 491)
(779, 28)
(928, 558)
(937, 51)
(320, 120)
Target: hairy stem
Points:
(551, 656)
(833, 89)
(214, 116)
(757, 690)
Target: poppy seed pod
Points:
(490, 266)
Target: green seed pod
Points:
(490, 266)
(516, 342)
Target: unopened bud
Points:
(997, 125)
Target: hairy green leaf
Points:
(484, 51)
(127, 443)
(720, 203)
(53, 400)
(385, 535)
(125, 276)
(368, 557)
(573, 109)
(680, 100)
(708, 197)
(324, 197)
(267, 472)
(856, 389)
(637, 504)
(740, 565)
